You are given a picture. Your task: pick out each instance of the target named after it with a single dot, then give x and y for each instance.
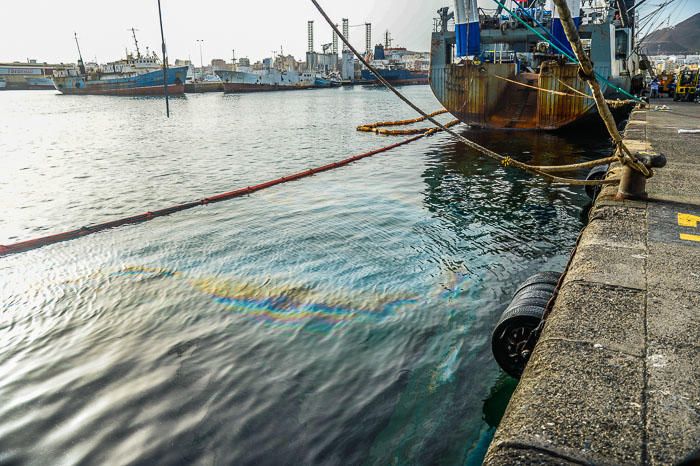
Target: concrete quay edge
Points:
(615, 376)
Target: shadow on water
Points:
(497, 402)
(506, 225)
(474, 194)
(494, 408)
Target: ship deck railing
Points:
(499, 56)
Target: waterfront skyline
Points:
(104, 36)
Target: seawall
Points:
(615, 376)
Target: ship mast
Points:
(81, 63)
(136, 42)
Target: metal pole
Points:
(201, 57)
(165, 63)
(80, 55)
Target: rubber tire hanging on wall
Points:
(511, 336)
(596, 173)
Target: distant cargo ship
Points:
(397, 75)
(394, 71)
(327, 81)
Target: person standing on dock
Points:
(655, 89)
(672, 88)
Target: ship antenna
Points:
(81, 65)
(136, 42)
(165, 62)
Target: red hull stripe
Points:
(230, 87)
(173, 89)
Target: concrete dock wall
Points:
(615, 377)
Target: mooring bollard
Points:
(633, 184)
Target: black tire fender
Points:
(511, 335)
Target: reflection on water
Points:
(342, 319)
(497, 402)
(284, 305)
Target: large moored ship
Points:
(492, 71)
(135, 75)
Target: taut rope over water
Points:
(505, 161)
(588, 74)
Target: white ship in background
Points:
(245, 79)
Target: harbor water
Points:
(341, 319)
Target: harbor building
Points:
(30, 75)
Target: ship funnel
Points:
(558, 30)
(461, 27)
(473, 28)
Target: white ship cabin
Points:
(141, 62)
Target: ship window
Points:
(621, 44)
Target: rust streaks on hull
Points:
(494, 95)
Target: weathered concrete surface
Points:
(615, 377)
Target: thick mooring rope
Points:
(587, 73)
(503, 160)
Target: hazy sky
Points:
(43, 29)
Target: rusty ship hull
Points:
(240, 88)
(494, 96)
(149, 83)
(502, 76)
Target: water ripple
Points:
(342, 319)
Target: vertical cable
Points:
(165, 63)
